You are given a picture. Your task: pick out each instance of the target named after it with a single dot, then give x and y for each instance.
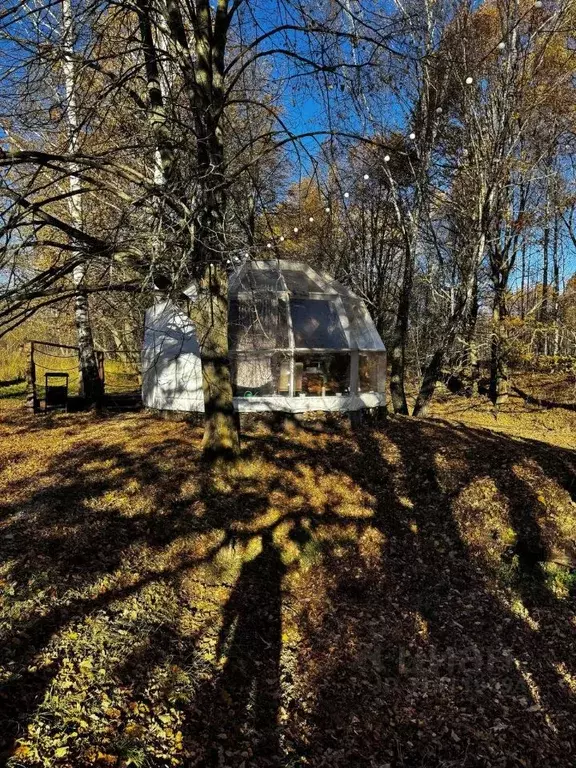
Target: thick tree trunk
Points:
(91, 385)
(431, 375)
(210, 246)
(433, 370)
(498, 363)
(472, 363)
(210, 316)
(465, 308)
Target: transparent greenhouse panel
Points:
(362, 329)
(299, 283)
(263, 374)
(372, 372)
(256, 277)
(258, 322)
(316, 325)
(320, 375)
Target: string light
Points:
(295, 230)
(538, 4)
(311, 219)
(366, 177)
(439, 110)
(327, 209)
(386, 158)
(268, 245)
(469, 80)
(282, 238)
(412, 136)
(346, 194)
(501, 46)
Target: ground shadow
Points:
(322, 604)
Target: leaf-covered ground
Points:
(400, 594)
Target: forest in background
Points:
(422, 153)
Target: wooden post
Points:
(31, 396)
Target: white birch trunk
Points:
(91, 385)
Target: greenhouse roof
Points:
(286, 305)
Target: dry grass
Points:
(540, 407)
(369, 597)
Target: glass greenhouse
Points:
(299, 341)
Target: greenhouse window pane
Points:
(259, 279)
(258, 322)
(316, 324)
(372, 372)
(259, 375)
(362, 329)
(300, 284)
(321, 375)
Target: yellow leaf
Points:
(22, 750)
(106, 759)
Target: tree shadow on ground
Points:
(327, 601)
(543, 402)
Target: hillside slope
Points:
(400, 594)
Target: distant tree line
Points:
(422, 152)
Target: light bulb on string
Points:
(438, 110)
(386, 158)
(346, 195)
(412, 136)
(538, 4)
(469, 80)
(295, 230)
(366, 177)
(311, 219)
(268, 245)
(327, 209)
(282, 238)
(501, 46)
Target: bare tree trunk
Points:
(31, 395)
(430, 379)
(210, 316)
(545, 267)
(399, 337)
(556, 280)
(498, 363)
(473, 363)
(91, 387)
(467, 305)
(433, 370)
(220, 426)
(523, 282)
(204, 81)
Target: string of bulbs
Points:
(501, 46)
